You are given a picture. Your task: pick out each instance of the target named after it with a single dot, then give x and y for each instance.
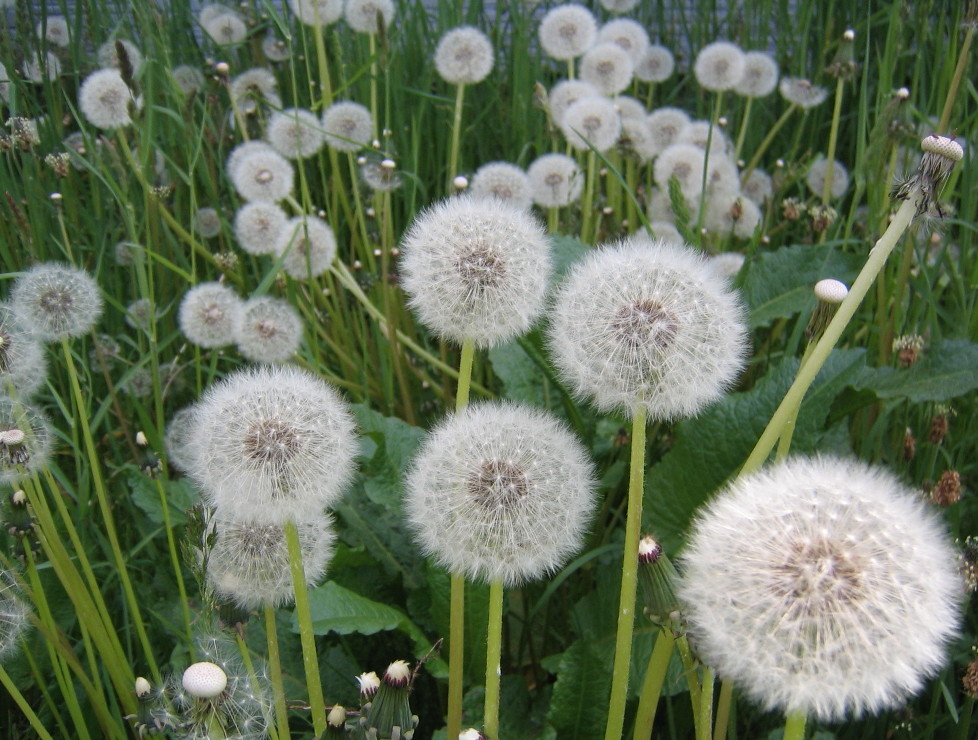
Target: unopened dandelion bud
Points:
(903, 93)
(830, 294)
(649, 550)
(336, 716)
(205, 680)
(143, 688)
(389, 715)
(722, 121)
(18, 498)
(460, 182)
(371, 213)
(361, 160)
(657, 579)
(947, 491)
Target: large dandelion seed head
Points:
(464, 56)
(567, 31)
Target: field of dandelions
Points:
(399, 368)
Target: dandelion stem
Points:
(629, 579)
(655, 676)
(952, 92)
(723, 710)
(494, 643)
(705, 708)
(456, 136)
(778, 125)
(310, 663)
(806, 374)
(794, 727)
(275, 671)
(833, 141)
(175, 562)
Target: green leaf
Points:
(712, 447)
(337, 609)
(565, 250)
(578, 707)
(947, 370)
(180, 495)
(779, 284)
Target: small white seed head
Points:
(831, 291)
(205, 680)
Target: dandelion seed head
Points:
(39, 67)
(257, 225)
(801, 92)
(207, 222)
(295, 133)
(556, 180)
(504, 181)
(14, 614)
(817, 173)
(253, 87)
(629, 35)
(309, 246)
(271, 330)
(210, 315)
(22, 359)
(608, 67)
(55, 30)
(189, 79)
(464, 56)
(666, 126)
(27, 435)
(821, 586)
(500, 492)
(262, 174)
(567, 31)
(108, 54)
(567, 92)
(368, 16)
(760, 75)
(57, 301)
(105, 99)
(719, 66)
(225, 26)
(317, 12)
(591, 121)
(348, 126)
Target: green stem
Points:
(765, 145)
(23, 705)
(103, 502)
(952, 92)
(794, 727)
(587, 203)
(723, 710)
(456, 137)
(692, 680)
(742, 134)
(275, 673)
(655, 676)
(705, 708)
(456, 635)
(806, 374)
(175, 563)
(629, 579)
(494, 646)
(833, 140)
(310, 663)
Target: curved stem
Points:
(629, 580)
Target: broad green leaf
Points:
(948, 369)
(180, 495)
(521, 378)
(578, 707)
(337, 609)
(713, 446)
(566, 250)
(779, 284)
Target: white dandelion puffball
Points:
(608, 67)
(591, 121)
(294, 133)
(368, 16)
(819, 170)
(618, 6)
(567, 31)
(242, 150)
(105, 99)
(760, 75)
(25, 439)
(637, 139)
(348, 126)
(249, 562)
(178, 439)
(207, 222)
(225, 26)
(801, 92)
(567, 92)
(108, 54)
(204, 680)
(55, 30)
(464, 56)
(22, 358)
(628, 34)
(629, 107)
(309, 247)
(655, 65)
(57, 301)
(475, 269)
(685, 162)
(272, 443)
(254, 86)
(719, 66)
(15, 614)
(38, 67)
(555, 180)
(500, 492)
(666, 125)
(759, 187)
(275, 49)
(271, 330)
(257, 225)
(189, 79)
(503, 181)
(317, 12)
(263, 174)
(640, 324)
(730, 212)
(210, 315)
(821, 586)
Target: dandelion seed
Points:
(257, 225)
(639, 324)
(503, 181)
(57, 301)
(294, 133)
(211, 315)
(464, 56)
(309, 247)
(348, 126)
(555, 180)
(821, 586)
(475, 269)
(500, 492)
(567, 31)
(273, 443)
(271, 330)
